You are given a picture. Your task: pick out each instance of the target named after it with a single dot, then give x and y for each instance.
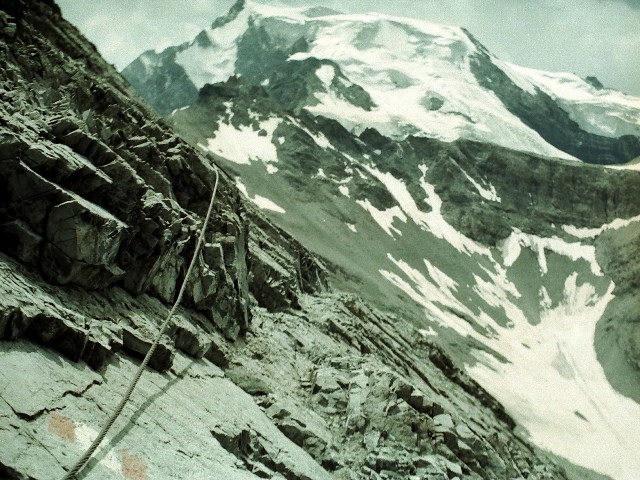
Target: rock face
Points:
(97, 192)
(618, 333)
(261, 374)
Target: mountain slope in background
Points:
(400, 76)
(441, 183)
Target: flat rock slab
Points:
(56, 407)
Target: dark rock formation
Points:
(96, 191)
(593, 80)
(294, 84)
(153, 89)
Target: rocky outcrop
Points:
(153, 89)
(618, 334)
(294, 85)
(97, 192)
(560, 192)
(353, 413)
(331, 390)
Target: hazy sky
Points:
(586, 37)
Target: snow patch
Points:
(326, 74)
(429, 295)
(553, 372)
(601, 111)
(318, 138)
(384, 218)
(496, 296)
(511, 249)
(429, 332)
(266, 204)
(486, 193)
(176, 110)
(443, 280)
(343, 181)
(634, 165)
(432, 221)
(545, 299)
(243, 145)
(594, 232)
(260, 201)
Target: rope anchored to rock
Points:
(118, 410)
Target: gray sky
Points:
(586, 37)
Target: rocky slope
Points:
(521, 265)
(400, 76)
(264, 374)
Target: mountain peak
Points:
(231, 15)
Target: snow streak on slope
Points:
(594, 232)
(486, 193)
(432, 221)
(384, 218)
(260, 201)
(574, 251)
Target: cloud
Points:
(122, 29)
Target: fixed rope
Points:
(118, 410)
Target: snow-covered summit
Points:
(400, 76)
